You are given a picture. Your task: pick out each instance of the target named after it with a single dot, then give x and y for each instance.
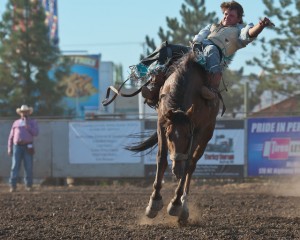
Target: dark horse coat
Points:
(186, 121)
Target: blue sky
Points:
(117, 28)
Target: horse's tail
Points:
(144, 145)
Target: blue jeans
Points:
(20, 153)
(213, 58)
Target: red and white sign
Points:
(281, 149)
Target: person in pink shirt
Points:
(20, 147)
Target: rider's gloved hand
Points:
(266, 22)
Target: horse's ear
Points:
(169, 114)
(190, 111)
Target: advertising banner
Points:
(224, 154)
(274, 146)
(102, 142)
(82, 86)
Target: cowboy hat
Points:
(24, 108)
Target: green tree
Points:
(280, 60)
(234, 96)
(26, 56)
(194, 17)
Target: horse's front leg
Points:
(175, 206)
(179, 204)
(192, 166)
(156, 203)
(198, 153)
(184, 214)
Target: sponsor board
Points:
(102, 142)
(274, 146)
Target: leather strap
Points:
(118, 92)
(224, 107)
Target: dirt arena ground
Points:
(249, 210)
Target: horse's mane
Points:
(181, 70)
(180, 66)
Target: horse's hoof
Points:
(150, 213)
(184, 215)
(154, 207)
(174, 210)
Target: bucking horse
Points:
(186, 122)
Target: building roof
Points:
(287, 107)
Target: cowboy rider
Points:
(218, 42)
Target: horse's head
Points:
(179, 129)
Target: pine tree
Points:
(26, 56)
(280, 60)
(234, 96)
(194, 18)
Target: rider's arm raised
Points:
(257, 29)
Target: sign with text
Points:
(224, 154)
(274, 146)
(225, 147)
(102, 142)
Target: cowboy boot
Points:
(214, 80)
(151, 92)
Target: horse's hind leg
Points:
(156, 203)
